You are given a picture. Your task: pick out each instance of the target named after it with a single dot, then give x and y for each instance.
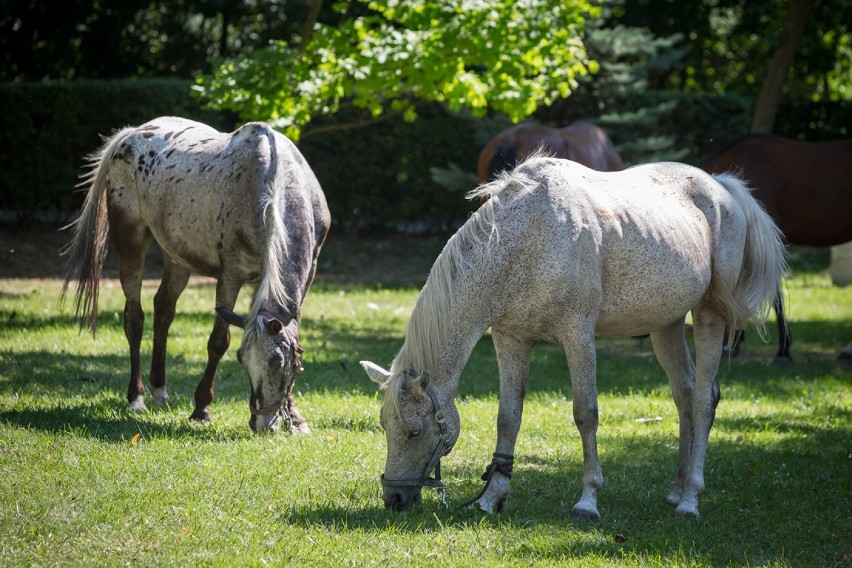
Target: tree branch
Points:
(351, 125)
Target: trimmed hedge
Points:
(378, 177)
(47, 130)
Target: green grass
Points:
(86, 482)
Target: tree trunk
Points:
(308, 28)
(779, 67)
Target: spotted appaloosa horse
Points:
(243, 207)
(563, 253)
(806, 187)
(580, 141)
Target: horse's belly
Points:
(646, 290)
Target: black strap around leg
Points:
(505, 467)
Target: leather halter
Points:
(435, 463)
(297, 368)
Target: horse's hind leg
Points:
(673, 355)
(784, 337)
(709, 328)
(131, 248)
(582, 363)
(172, 285)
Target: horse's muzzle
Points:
(400, 498)
(266, 424)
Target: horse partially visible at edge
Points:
(243, 207)
(562, 253)
(806, 187)
(580, 141)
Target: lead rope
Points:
(504, 468)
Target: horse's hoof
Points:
(784, 359)
(161, 397)
(589, 515)
(687, 511)
(202, 415)
(492, 505)
(301, 428)
(138, 405)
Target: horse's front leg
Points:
(227, 291)
(709, 329)
(513, 361)
(582, 363)
(172, 285)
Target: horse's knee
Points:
(585, 416)
(219, 341)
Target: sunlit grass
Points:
(85, 482)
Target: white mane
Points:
(426, 336)
(274, 249)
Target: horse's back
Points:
(607, 244)
(201, 192)
(805, 186)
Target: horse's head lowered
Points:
(272, 357)
(420, 429)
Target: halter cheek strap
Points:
(435, 463)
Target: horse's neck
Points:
(443, 333)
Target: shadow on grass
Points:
(755, 501)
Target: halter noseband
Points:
(435, 463)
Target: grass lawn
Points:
(86, 482)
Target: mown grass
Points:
(86, 482)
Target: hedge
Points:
(376, 178)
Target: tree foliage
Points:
(387, 57)
(87, 39)
(730, 43)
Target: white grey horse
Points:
(563, 253)
(243, 207)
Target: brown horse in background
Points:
(805, 186)
(580, 141)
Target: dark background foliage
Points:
(670, 87)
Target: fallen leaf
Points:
(135, 438)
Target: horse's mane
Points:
(271, 204)
(428, 326)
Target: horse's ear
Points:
(376, 373)
(231, 317)
(424, 378)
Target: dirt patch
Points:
(33, 251)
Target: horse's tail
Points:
(764, 262)
(87, 249)
(505, 158)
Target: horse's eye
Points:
(414, 434)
